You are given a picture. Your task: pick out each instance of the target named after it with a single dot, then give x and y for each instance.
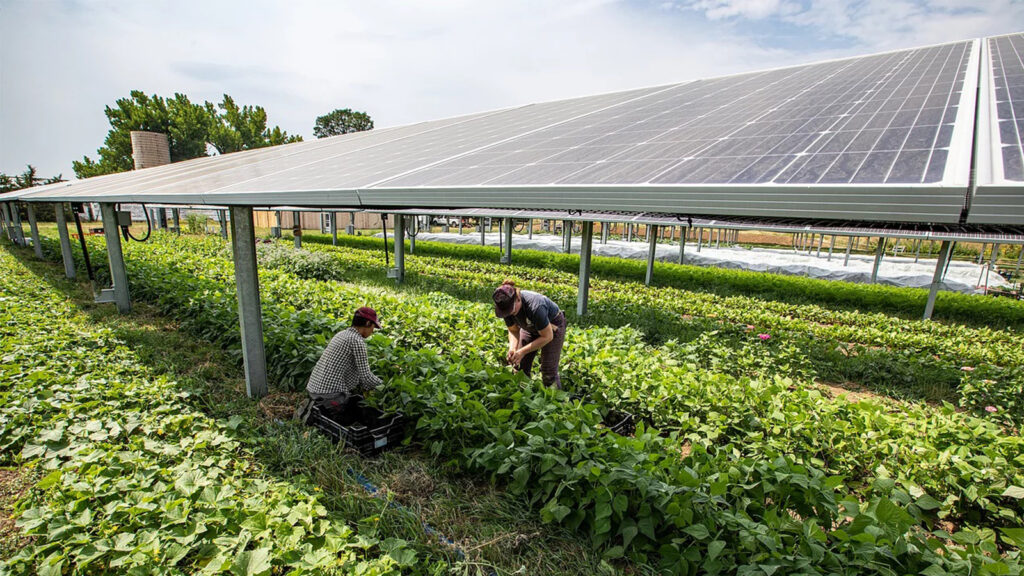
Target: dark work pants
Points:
(550, 354)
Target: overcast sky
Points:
(61, 62)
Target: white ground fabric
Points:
(894, 271)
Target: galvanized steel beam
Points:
(652, 247)
(65, 240)
(36, 246)
(506, 255)
(878, 259)
(118, 274)
(945, 252)
(398, 272)
(583, 293)
(250, 317)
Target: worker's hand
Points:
(517, 356)
(508, 356)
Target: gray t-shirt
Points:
(535, 314)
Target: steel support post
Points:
(1019, 255)
(917, 251)
(831, 245)
(878, 259)
(399, 270)
(567, 237)
(506, 255)
(849, 247)
(460, 225)
(176, 214)
(334, 228)
(483, 233)
(297, 228)
(529, 228)
(981, 253)
(112, 233)
(700, 237)
(36, 246)
(991, 263)
(222, 219)
(250, 317)
(604, 232)
(945, 251)
(586, 244)
(682, 244)
(65, 240)
(4, 218)
(821, 240)
(351, 228)
(280, 223)
(652, 248)
(19, 232)
(629, 232)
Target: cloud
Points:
(752, 9)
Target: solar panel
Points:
(877, 138)
(999, 197)
(886, 119)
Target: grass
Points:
(496, 532)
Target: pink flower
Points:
(991, 409)
(764, 337)
(750, 327)
(967, 368)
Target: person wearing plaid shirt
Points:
(344, 367)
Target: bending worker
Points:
(344, 367)
(534, 323)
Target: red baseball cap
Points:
(369, 314)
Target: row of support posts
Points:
(247, 280)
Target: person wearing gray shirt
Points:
(535, 324)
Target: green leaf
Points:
(49, 480)
(698, 531)
(1014, 492)
(715, 548)
(1014, 536)
(252, 563)
(926, 502)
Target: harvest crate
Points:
(362, 427)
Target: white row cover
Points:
(963, 277)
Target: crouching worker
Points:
(534, 324)
(343, 369)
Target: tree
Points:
(28, 179)
(189, 128)
(342, 121)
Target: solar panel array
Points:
(883, 138)
(879, 120)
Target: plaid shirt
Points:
(344, 366)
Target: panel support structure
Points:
(398, 272)
(583, 294)
(506, 255)
(878, 259)
(652, 247)
(176, 213)
(276, 230)
(222, 218)
(297, 228)
(940, 269)
(567, 237)
(529, 228)
(351, 228)
(682, 244)
(604, 232)
(19, 232)
(849, 246)
(65, 240)
(5, 220)
(111, 232)
(250, 317)
(36, 246)
(334, 228)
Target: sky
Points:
(63, 61)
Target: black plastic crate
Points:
(364, 428)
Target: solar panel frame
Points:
(996, 198)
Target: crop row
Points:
(130, 479)
(716, 338)
(952, 453)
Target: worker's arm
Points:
(513, 341)
(367, 380)
(547, 334)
